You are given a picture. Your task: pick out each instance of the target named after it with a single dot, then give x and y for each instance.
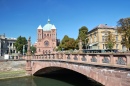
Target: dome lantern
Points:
(48, 21)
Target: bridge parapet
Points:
(102, 59)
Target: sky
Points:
(22, 17)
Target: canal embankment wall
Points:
(12, 68)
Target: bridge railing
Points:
(106, 59)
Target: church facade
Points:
(46, 39)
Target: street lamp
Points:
(23, 49)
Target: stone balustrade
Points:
(104, 59)
(15, 58)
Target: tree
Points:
(19, 43)
(124, 29)
(83, 35)
(110, 41)
(67, 43)
(33, 49)
(63, 43)
(71, 43)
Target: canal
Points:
(58, 78)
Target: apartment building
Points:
(97, 37)
(7, 45)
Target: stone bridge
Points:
(109, 69)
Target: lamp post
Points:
(23, 49)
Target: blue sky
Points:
(22, 17)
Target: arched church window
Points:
(54, 36)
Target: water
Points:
(53, 79)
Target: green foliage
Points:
(124, 30)
(33, 49)
(67, 43)
(83, 35)
(19, 43)
(76, 44)
(110, 41)
(70, 43)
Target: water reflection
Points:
(40, 81)
(24, 81)
(54, 79)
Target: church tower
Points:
(39, 33)
(46, 38)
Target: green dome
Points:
(48, 26)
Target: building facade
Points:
(7, 45)
(97, 37)
(46, 38)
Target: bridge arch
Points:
(88, 71)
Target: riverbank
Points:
(12, 69)
(13, 74)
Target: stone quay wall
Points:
(12, 68)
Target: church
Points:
(46, 38)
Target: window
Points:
(10, 44)
(39, 50)
(39, 36)
(103, 38)
(116, 46)
(116, 38)
(116, 32)
(106, 47)
(103, 46)
(46, 43)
